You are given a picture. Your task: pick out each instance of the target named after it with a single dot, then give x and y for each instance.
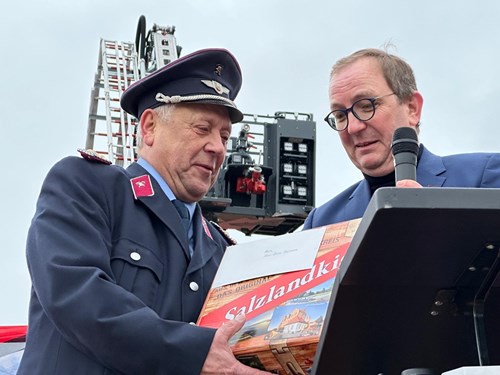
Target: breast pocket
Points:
(137, 269)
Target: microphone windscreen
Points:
(405, 140)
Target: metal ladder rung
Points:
(114, 120)
(103, 98)
(122, 146)
(113, 65)
(117, 134)
(114, 76)
(126, 46)
(95, 116)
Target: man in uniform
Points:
(121, 260)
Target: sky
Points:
(285, 49)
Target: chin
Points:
(199, 192)
(376, 171)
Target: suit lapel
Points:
(356, 207)
(159, 204)
(430, 170)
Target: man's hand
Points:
(220, 359)
(408, 184)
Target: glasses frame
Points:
(350, 109)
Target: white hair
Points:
(164, 112)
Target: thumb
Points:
(228, 329)
(408, 184)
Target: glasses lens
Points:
(338, 120)
(363, 109)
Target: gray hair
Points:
(397, 72)
(163, 111)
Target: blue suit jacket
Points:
(476, 170)
(112, 283)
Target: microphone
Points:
(405, 151)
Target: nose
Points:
(216, 145)
(355, 125)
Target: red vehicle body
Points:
(12, 342)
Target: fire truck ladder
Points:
(111, 131)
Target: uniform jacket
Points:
(476, 170)
(113, 286)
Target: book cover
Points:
(286, 310)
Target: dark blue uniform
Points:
(113, 284)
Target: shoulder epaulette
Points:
(91, 155)
(230, 240)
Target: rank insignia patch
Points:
(141, 186)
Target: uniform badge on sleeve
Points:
(141, 186)
(91, 155)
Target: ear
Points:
(148, 125)
(415, 105)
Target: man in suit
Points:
(372, 93)
(118, 280)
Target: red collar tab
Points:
(205, 227)
(142, 186)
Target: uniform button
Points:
(134, 255)
(193, 286)
(192, 323)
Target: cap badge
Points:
(218, 69)
(141, 186)
(219, 89)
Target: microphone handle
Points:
(405, 166)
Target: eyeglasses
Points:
(362, 109)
